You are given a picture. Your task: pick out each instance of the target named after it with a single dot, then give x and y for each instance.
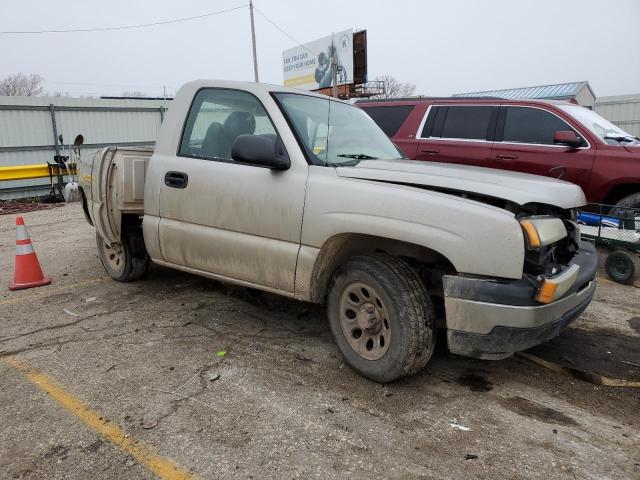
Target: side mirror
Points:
(568, 138)
(261, 151)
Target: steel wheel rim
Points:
(114, 256)
(364, 320)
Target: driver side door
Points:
(231, 220)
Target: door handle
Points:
(503, 156)
(430, 151)
(560, 169)
(176, 179)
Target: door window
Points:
(532, 125)
(217, 117)
(463, 122)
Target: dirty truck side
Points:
(300, 195)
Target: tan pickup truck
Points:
(304, 196)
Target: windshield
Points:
(603, 128)
(335, 133)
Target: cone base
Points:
(22, 286)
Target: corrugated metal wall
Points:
(26, 130)
(622, 110)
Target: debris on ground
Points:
(70, 313)
(213, 376)
(13, 207)
(470, 456)
(149, 424)
(302, 358)
(454, 424)
(90, 299)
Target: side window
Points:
(389, 119)
(217, 117)
(465, 122)
(531, 125)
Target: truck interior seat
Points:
(219, 138)
(213, 141)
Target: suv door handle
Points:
(176, 179)
(506, 157)
(430, 151)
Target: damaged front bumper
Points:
(493, 319)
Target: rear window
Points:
(389, 119)
(464, 122)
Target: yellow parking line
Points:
(162, 467)
(48, 291)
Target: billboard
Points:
(309, 66)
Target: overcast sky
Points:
(443, 46)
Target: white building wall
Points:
(622, 110)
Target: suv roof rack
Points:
(409, 99)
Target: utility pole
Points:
(253, 42)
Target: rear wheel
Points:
(125, 261)
(381, 317)
(622, 266)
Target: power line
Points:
(122, 27)
(283, 31)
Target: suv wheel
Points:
(628, 203)
(381, 317)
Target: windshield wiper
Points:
(629, 138)
(358, 156)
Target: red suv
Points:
(553, 138)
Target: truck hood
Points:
(519, 188)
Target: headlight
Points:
(542, 230)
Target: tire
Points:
(127, 261)
(622, 266)
(629, 202)
(393, 315)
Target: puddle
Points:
(475, 382)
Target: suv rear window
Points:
(389, 119)
(463, 122)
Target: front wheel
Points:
(625, 207)
(126, 261)
(381, 317)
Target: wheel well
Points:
(429, 264)
(618, 192)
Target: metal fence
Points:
(30, 125)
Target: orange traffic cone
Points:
(28, 272)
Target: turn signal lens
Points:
(547, 292)
(551, 289)
(533, 239)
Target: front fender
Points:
(477, 238)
